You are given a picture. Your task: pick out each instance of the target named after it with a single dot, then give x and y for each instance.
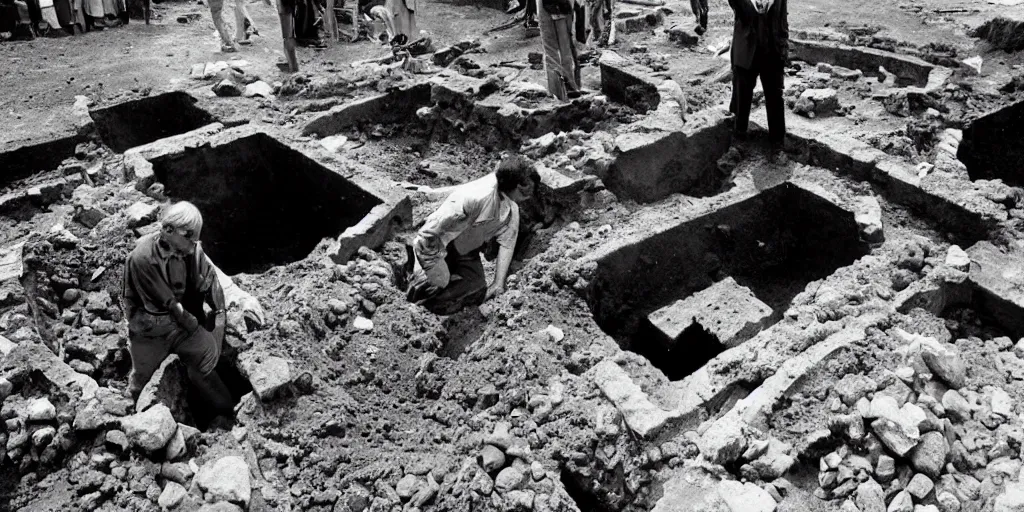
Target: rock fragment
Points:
(151, 429)
(226, 479)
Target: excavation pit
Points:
(264, 203)
(773, 244)
(137, 122)
(991, 146)
(24, 161)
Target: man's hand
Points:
(219, 325)
(496, 288)
(420, 288)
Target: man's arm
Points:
(507, 247)
(213, 294)
(215, 298)
(500, 271)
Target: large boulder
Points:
(151, 429)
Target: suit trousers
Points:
(700, 12)
(771, 72)
(559, 59)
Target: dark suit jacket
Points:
(765, 34)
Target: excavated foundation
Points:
(990, 148)
(264, 203)
(27, 160)
(771, 244)
(137, 122)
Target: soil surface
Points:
(351, 399)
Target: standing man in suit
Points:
(760, 48)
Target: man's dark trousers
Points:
(771, 70)
(468, 285)
(700, 11)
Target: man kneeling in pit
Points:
(448, 272)
(167, 279)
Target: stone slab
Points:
(628, 83)
(998, 280)
(909, 69)
(726, 310)
(643, 417)
(651, 165)
(390, 107)
(11, 266)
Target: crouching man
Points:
(448, 272)
(167, 279)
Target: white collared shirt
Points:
(473, 214)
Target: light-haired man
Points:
(167, 279)
(449, 273)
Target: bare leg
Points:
(385, 16)
(217, 11)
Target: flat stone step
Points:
(726, 310)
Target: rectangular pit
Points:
(991, 146)
(263, 202)
(773, 243)
(137, 122)
(26, 160)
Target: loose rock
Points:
(151, 429)
(226, 479)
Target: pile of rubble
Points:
(925, 438)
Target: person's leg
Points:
(579, 23)
(241, 15)
(217, 12)
(387, 18)
(743, 81)
(200, 354)
(146, 354)
(552, 53)
(150, 339)
(400, 18)
(285, 11)
(772, 75)
(595, 21)
(414, 31)
(467, 287)
(566, 50)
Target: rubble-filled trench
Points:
(688, 326)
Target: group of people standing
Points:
(760, 49)
(25, 19)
